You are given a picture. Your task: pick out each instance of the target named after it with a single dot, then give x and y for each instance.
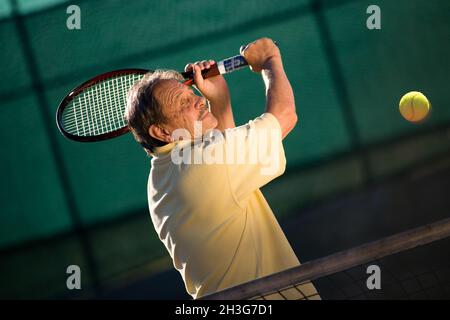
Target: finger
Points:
(202, 65)
(196, 63)
(207, 64)
(188, 67)
(244, 48)
(198, 78)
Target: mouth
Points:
(204, 114)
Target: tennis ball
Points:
(414, 106)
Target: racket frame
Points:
(223, 67)
(63, 104)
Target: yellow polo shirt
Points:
(213, 219)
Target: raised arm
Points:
(215, 90)
(264, 57)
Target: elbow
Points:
(288, 119)
(289, 124)
(294, 119)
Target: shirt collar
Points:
(167, 148)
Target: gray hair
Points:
(143, 109)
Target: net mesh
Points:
(420, 273)
(99, 108)
(402, 277)
(412, 265)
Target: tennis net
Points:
(414, 264)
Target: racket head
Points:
(94, 110)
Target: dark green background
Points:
(347, 80)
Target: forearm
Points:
(221, 109)
(279, 95)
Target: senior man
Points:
(210, 213)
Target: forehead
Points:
(168, 89)
(168, 92)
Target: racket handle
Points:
(221, 67)
(231, 64)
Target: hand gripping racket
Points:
(94, 110)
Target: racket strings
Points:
(100, 108)
(89, 108)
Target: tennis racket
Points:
(94, 110)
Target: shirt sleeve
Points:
(255, 155)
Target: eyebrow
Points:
(177, 96)
(177, 99)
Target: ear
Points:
(160, 133)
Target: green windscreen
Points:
(347, 82)
(109, 179)
(376, 68)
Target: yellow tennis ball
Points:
(414, 106)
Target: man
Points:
(211, 215)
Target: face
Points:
(182, 107)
